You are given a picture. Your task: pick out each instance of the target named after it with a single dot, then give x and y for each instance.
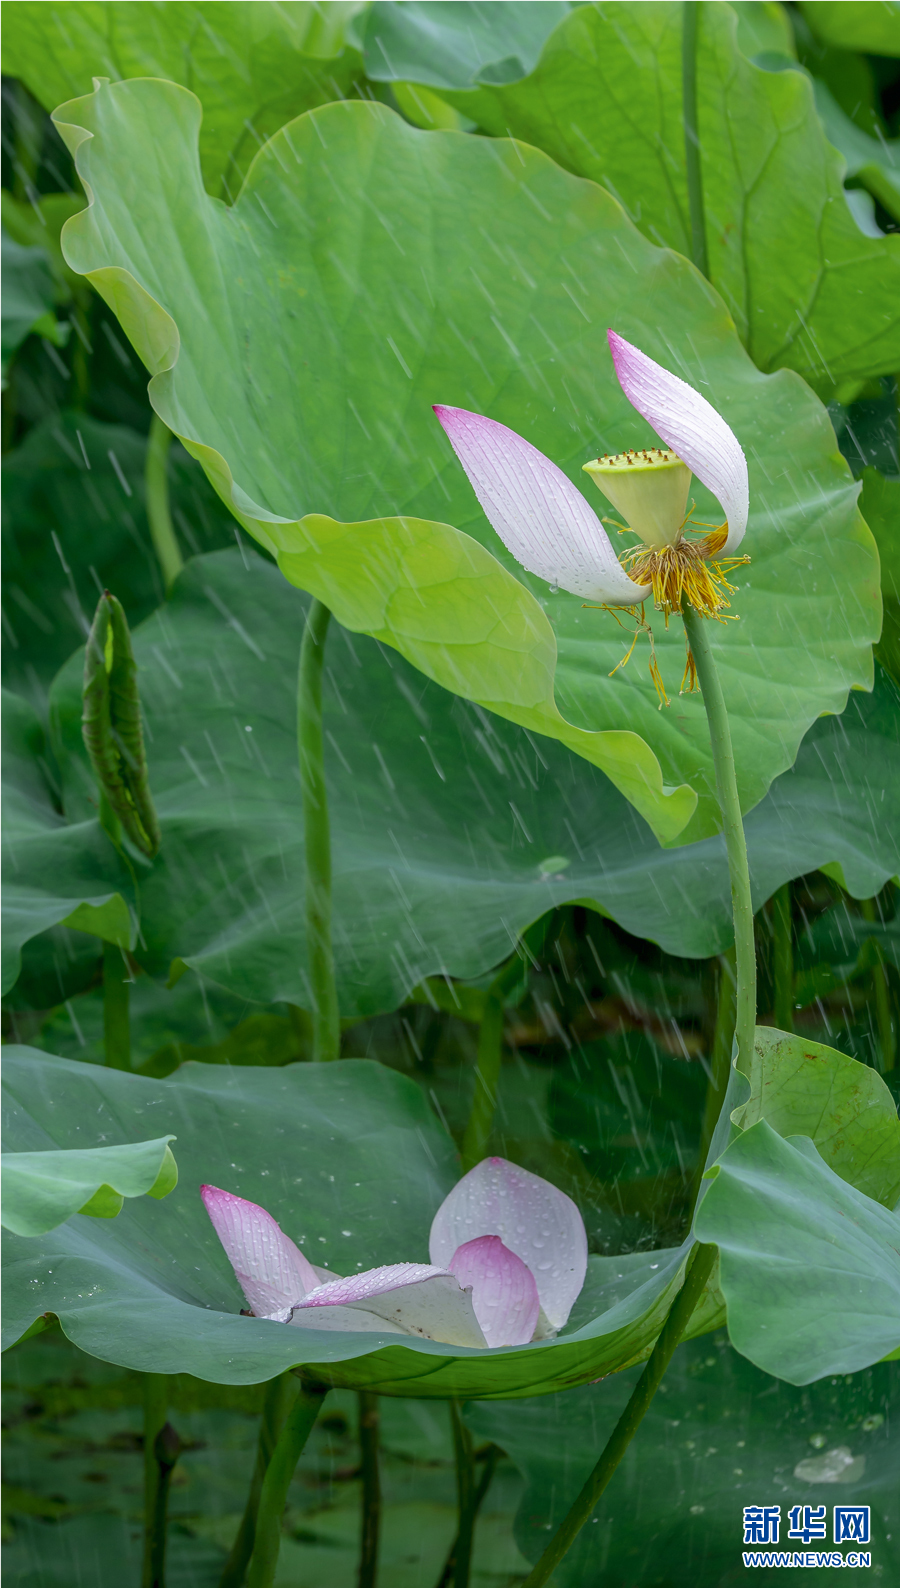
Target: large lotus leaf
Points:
(415, 288)
(254, 65)
(875, 161)
(870, 25)
(809, 1266)
(805, 1089)
(806, 289)
(444, 44)
(719, 1435)
(43, 1189)
(74, 517)
(28, 297)
(54, 871)
(352, 1163)
(451, 830)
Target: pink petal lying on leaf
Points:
(270, 1270)
(691, 426)
(532, 1218)
(540, 516)
(402, 1298)
(504, 1293)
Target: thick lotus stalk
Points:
(508, 1259)
(111, 726)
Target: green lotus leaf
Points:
(875, 161)
(809, 1267)
(709, 1444)
(82, 481)
(332, 415)
(28, 297)
(41, 1190)
(443, 44)
(806, 289)
(255, 65)
(869, 25)
(55, 871)
(417, 890)
(805, 1089)
(353, 1164)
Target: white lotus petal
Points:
(538, 513)
(504, 1293)
(413, 1298)
(271, 1271)
(532, 1218)
(692, 427)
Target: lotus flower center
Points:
(649, 488)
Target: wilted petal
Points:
(504, 1293)
(271, 1271)
(411, 1298)
(538, 513)
(692, 427)
(532, 1218)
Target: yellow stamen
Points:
(685, 572)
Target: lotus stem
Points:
(882, 991)
(698, 1271)
(326, 1019)
(156, 484)
(720, 1062)
(783, 958)
(465, 1490)
(273, 1497)
(490, 1052)
(279, 1396)
(690, 24)
(371, 1488)
(490, 1454)
(735, 842)
(487, 1079)
(156, 1405)
(116, 1024)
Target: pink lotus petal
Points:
(538, 513)
(533, 1219)
(692, 427)
(402, 1298)
(271, 1271)
(504, 1293)
(372, 1282)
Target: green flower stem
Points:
(465, 1491)
(698, 1271)
(783, 958)
(490, 1454)
(882, 991)
(273, 1497)
(487, 1080)
(720, 1062)
(326, 1020)
(156, 1405)
(280, 1394)
(116, 1026)
(490, 1052)
(735, 843)
(156, 482)
(371, 1489)
(690, 22)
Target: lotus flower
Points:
(508, 1259)
(548, 526)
